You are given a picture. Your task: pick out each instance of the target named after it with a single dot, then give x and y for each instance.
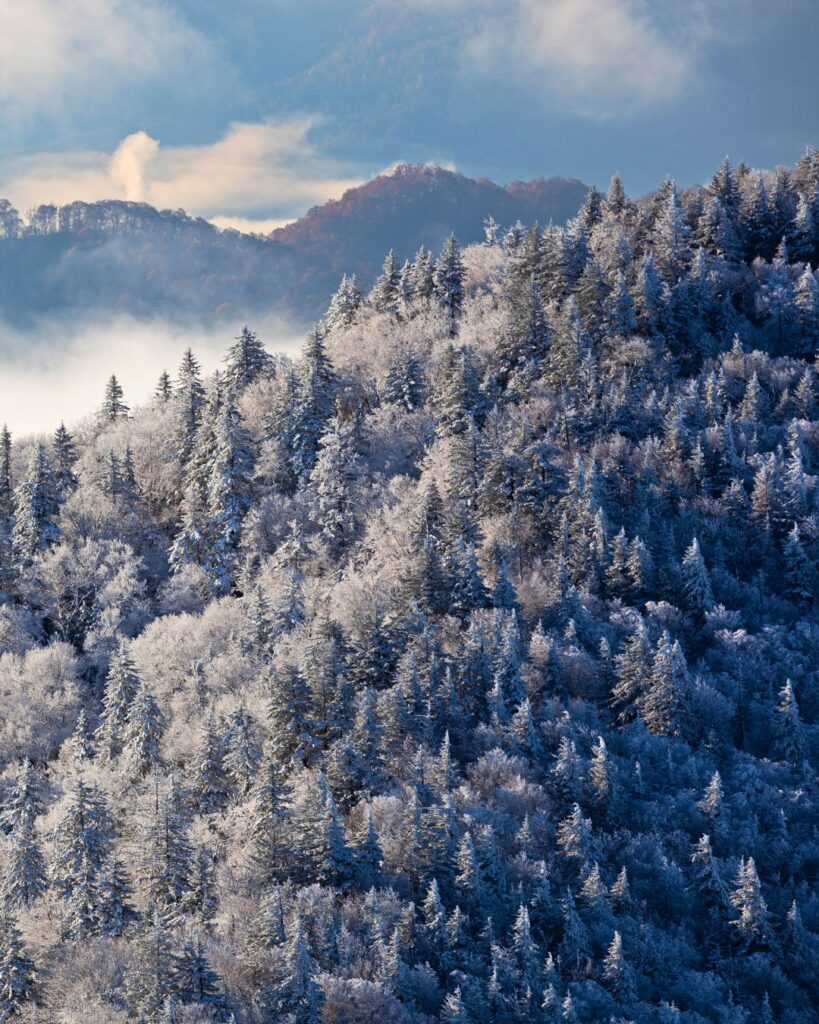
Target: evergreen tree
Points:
(671, 237)
(746, 898)
(35, 505)
(297, 996)
(82, 848)
(574, 945)
(288, 715)
(617, 972)
(368, 853)
(245, 362)
(803, 234)
(616, 202)
(404, 383)
(189, 400)
(121, 688)
(696, 582)
(207, 769)
(806, 301)
(25, 876)
(321, 838)
(142, 733)
(569, 347)
(650, 296)
(423, 275)
(227, 497)
(384, 296)
(194, 980)
(163, 392)
(454, 1010)
(113, 405)
(632, 669)
(165, 858)
(711, 803)
(663, 706)
(6, 492)
(794, 481)
(17, 973)
(620, 308)
(149, 982)
(790, 733)
(799, 572)
(574, 836)
(449, 282)
(200, 898)
(79, 742)
(469, 883)
(591, 212)
(241, 755)
(269, 830)
(113, 892)
(344, 304)
(313, 405)
(367, 735)
(456, 392)
(65, 458)
(331, 484)
(25, 801)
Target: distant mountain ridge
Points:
(131, 258)
(414, 205)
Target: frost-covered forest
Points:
(462, 669)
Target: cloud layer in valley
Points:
(57, 370)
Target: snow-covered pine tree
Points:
(752, 921)
(65, 458)
(331, 486)
(313, 405)
(25, 876)
(207, 774)
(227, 497)
(344, 304)
(384, 295)
(296, 994)
(17, 973)
(35, 506)
(163, 392)
(663, 706)
(449, 282)
(791, 743)
(142, 733)
(113, 404)
(245, 362)
(121, 687)
(189, 400)
(696, 582)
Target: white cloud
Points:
(254, 171)
(54, 52)
(599, 57)
(603, 51)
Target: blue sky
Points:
(251, 111)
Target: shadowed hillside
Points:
(131, 258)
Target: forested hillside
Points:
(89, 259)
(462, 669)
(414, 205)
